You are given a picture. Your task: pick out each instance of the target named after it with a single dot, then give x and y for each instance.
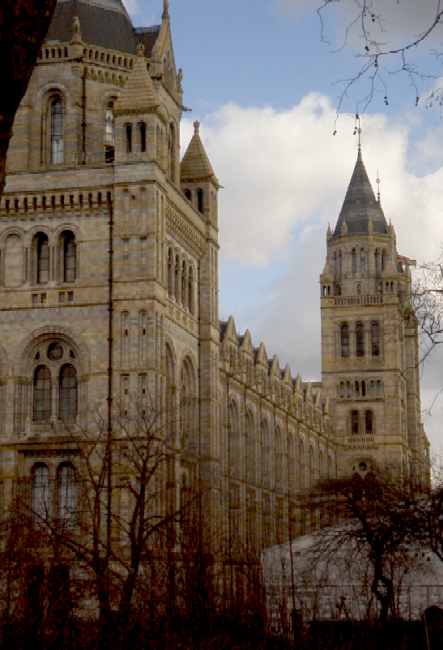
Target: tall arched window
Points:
(266, 454)
(279, 459)
(355, 422)
(142, 136)
(359, 339)
(109, 132)
(66, 494)
(234, 446)
(172, 148)
(170, 273)
(41, 251)
(191, 306)
(42, 401)
(369, 422)
(250, 448)
(344, 339)
(170, 392)
(188, 405)
(354, 261)
(375, 338)
(57, 131)
(200, 200)
(340, 264)
(363, 259)
(40, 492)
(68, 393)
(184, 289)
(128, 131)
(69, 256)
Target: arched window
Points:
(66, 494)
(375, 338)
(377, 260)
(359, 339)
(128, 131)
(200, 200)
(340, 264)
(57, 129)
(41, 250)
(188, 195)
(109, 132)
(170, 272)
(68, 393)
(362, 260)
(40, 492)
(188, 405)
(142, 136)
(354, 261)
(344, 339)
(234, 444)
(355, 423)
(42, 394)
(69, 256)
(177, 278)
(266, 454)
(250, 448)
(170, 392)
(172, 148)
(191, 290)
(369, 422)
(279, 459)
(184, 288)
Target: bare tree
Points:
(376, 532)
(427, 299)
(23, 26)
(386, 41)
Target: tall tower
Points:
(370, 359)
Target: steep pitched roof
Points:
(195, 164)
(360, 206)
(104, 23)
(139, 95)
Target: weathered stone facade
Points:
(109, 244)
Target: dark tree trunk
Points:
(23, 27)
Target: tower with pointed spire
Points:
(370, 362)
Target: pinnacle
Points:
(139, 93)
(195, 164)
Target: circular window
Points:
(55, 352)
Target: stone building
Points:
(109, 293)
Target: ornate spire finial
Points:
(196, 128)
(140, 49)
(357, 131)
(165, 15)
(378, 181)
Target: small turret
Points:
(198, 180)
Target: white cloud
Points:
(285, 177)
(132, 6)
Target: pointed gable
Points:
(195, 165)
(246, 344)
(139, 94)
(360, 207)
(261, 355)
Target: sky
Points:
(266, 82)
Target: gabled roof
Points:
(139, 95)
(195, 164)
(104, 23)
(360, 206)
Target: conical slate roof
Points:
(104, 23)
(195, 164)
(360, 206)
(139, 95)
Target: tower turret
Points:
(369, 345)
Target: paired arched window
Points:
(128, 132)
(57, 120)
(67, 494)
(68, 250)
(141, 128)
(359, 339)
(68, 393)
(181, 281)
(344, 340)
(41, 258)
(375, 338)
(43, 394)
(40, 492)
